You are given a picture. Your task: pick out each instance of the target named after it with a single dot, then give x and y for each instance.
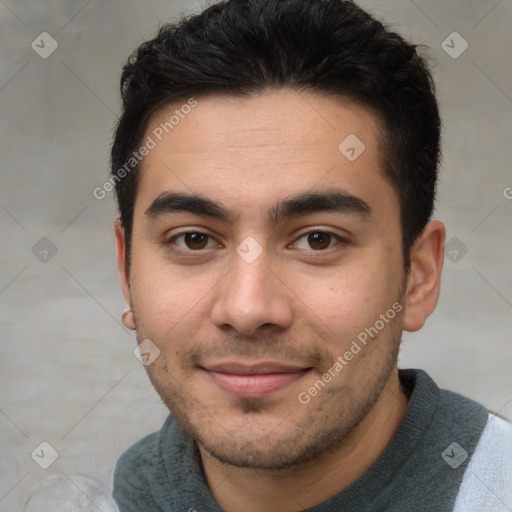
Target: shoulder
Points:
(134, 472)
(487, 483)
(139, 457)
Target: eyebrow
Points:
(292, 207)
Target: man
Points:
(275, 166)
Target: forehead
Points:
(252, 151)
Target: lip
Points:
(254, 380)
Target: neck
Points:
(305, 485)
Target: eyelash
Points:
(337, 238)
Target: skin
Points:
(299, 301)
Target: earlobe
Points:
(128, 318)
(424, 280)
(127, 315)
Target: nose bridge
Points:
(250, 295)
(251, 280)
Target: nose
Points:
(251, 296)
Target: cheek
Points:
(348, 299)
(165, 296)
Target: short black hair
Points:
(328, 47)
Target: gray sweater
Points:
(420, 470)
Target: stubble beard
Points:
(324, 429)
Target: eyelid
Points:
(311, 230)
(316, 228)
(340, 239)
(170, 241)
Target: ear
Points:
(424, 279)
(127, 317)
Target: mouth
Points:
(253, 380)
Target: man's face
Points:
(249, 312)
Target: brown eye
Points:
(319, 240)
(192, 241)
(195, 240)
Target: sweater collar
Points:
(186, 488)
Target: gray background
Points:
(68, 375)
